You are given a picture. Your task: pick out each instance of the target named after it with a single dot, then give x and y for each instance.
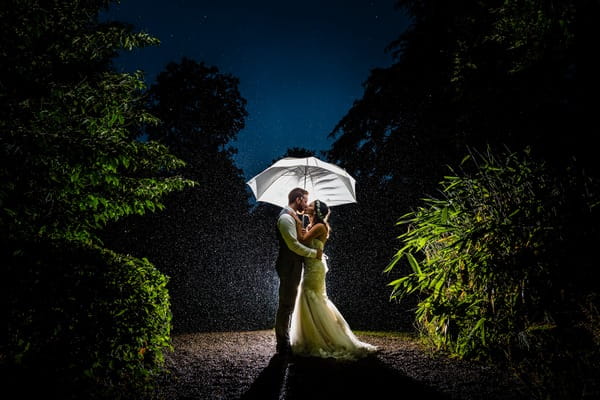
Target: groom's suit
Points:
(289, 269)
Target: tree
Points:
(299, 152)
(68, 154)
(201, 111)
(467, 74)
(70, 164)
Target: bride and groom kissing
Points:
(307, 323)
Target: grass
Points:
(402, 335)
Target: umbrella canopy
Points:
(322, 180)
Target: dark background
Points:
(295, 73)
(300, 68)
(300, 65)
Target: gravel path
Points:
(242, 365)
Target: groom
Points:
(289, 265)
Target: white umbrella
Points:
(322, 180)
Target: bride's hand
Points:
(298, 220)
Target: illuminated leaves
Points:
(482, 258)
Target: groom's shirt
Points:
(287, 226)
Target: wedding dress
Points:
(318, 329)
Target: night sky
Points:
(301, 65)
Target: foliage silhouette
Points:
(476, 75)
(200, 112)
(465, 75)
(299, 152)
(200, 109)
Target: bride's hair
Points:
(322, 213)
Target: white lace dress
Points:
(318, 329)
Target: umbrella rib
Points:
(305, 173)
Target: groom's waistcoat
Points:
(286, 257)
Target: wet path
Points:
(242, 365)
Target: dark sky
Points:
(301, 64)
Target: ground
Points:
(243, 365)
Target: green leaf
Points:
(413, 263)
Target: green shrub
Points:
(85, 319)
(501, 267)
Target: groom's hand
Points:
(319, 254)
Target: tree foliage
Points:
(483, 75)
(69, 164)
(466, 74)
(200, 109)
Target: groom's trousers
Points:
(290, 274)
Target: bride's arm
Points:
(306, 235)
(314, 231)
(299, 229)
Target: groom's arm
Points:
(287, 227)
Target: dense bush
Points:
(502, 269)
(84, 319)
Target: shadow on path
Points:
(317, 378)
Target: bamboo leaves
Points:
(469, 253)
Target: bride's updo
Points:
(322, 213)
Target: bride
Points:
(318, 329)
